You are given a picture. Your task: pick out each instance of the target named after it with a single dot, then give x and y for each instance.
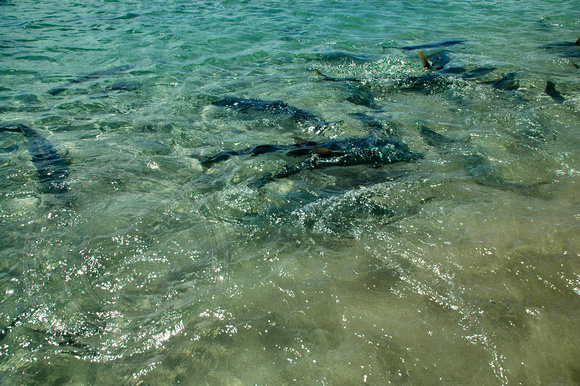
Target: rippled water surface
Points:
(458, 267)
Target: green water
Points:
(459, 268)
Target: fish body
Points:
(340, 57)
(94, 75)
(352, 151)
(426, 84)
(477, 72)
(475, 164)
(553, 93)
(52, 168)
(508, 82)
(565, 49)
(446, 43)
(272, 107)
(331, 79)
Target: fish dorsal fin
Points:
(323, 152)
(436, 60)
(424, 60)
(324, 77)
(578, 42)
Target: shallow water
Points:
(461, 267)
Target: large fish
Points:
(94, 75)
(565, 49)
(52, 168)
(271, 107)
(372, 151)
(435, 81)
(445, 43)
(553, 93)
(476, 165)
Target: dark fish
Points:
(371, 123)
(446, 43)
(95, 75)
(340, 57)
(330, 79)
(476, 165)
(477, 72)
(7, 329)
(359, 95)
(362, 96)
(300, 148)
(432, 138)
(123, 86)
(127, 16)
(553, 93)
(508, 82)
(441, 60)
(426, 84)
(52, 168)
(565, 49)
(9, 149)
(335, 152)
(272, 107)
(439, 80)
(372, 151)
(438, 63)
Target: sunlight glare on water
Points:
(163, 263)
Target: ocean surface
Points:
(151, 266)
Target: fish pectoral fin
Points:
(324, 152)
(424, 61)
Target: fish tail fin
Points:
(424, 61)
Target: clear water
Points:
(159, 271)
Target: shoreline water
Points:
(459, 267)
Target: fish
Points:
(565, 49)
(339, 57)
(52, 168)
(359, 95)
(94, 75)
(441, 60)
(9, 149)
(330, 79)
(372, 124)
(272, 107)
(374, 151)
(478, 72)
(438, 64)
(508, 83)
(362, 96)
(440, 72)
(445, 43)
(475, 164)
(4, 331)
(553, 93)
(427, 84)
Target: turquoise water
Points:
(458, 268)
